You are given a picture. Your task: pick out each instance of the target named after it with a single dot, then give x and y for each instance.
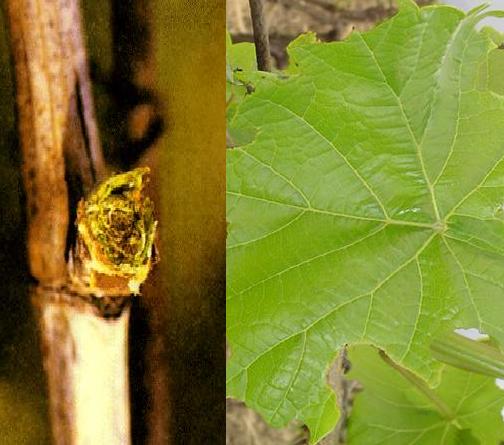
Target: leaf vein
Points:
(341, 155)
(464, 275)
(409, 128)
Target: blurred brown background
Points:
(157, 70)
(329, 19)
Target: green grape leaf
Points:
(241, 56)
(367, 208)
(494, 35)
(391, 410)
(240, 61)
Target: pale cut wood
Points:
(85, 356)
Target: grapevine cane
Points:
(82, 309)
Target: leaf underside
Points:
(392, 411)
(368, 207)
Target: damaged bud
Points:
(115, 239)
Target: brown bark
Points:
(62, 160)
(56, 121)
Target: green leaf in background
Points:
(493, 34)
(240, 60)
(391, 410)
(481, 357)
(368, 208)
(240, 56)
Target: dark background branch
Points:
(136, 113)
(261, 38)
